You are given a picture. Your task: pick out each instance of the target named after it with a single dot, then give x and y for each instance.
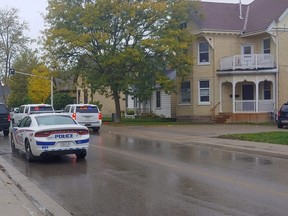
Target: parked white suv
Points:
(27, 109)
(88, 115)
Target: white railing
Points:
(242, 62)
(250, 106)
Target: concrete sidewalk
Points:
(20, 197)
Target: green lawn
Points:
(264, 137)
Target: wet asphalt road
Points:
(129, 176)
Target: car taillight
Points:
(83, 132)
(9, 117)
(74, 116)
(100, 116)
(42, 134)
(279, 113)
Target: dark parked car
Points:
(283, 116)
(4, 119)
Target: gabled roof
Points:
(263, 12)
(221, 17)
(225, 17)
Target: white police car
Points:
(40, 135)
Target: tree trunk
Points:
(117, 106)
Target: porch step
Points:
(222, 117)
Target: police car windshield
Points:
(54, 120)
(86, 109)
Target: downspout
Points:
(277, 69)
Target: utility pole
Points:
(13, 71)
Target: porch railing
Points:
(242, 62)
(250, 105)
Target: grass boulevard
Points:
(273, 137)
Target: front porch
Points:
(248, 97)
(243, 118)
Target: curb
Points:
(39, 198)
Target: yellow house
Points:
(240, 67)
(84, 95)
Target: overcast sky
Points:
(31, 11)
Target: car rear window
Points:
(87, 109)
(284, 108)
(41, 109)
(3, 109)
(54, 120)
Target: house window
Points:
(267, 90)
(266, 46)
(183, 25)
(158, 99)
(185, 97)
(203, 53)
(204, 89)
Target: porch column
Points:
(220, 96)
(274, 83)
(233, 95)
(257, 96)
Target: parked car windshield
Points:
(54, 120)
(285, 108)
(87, 109)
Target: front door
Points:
(247, 53)
(248, 97)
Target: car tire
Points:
(81, 154)
(29, 155)
(13, 148)
(6, 132)
(280, 125)
(96, 129)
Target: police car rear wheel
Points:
(81, 155)
(29, 155)
(13, 148)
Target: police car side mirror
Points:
(15, 124)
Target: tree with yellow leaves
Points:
(39, 84)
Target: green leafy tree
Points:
(25, 63)
(60, 100)
(12, 40)
(39, 85)
(119, 44)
